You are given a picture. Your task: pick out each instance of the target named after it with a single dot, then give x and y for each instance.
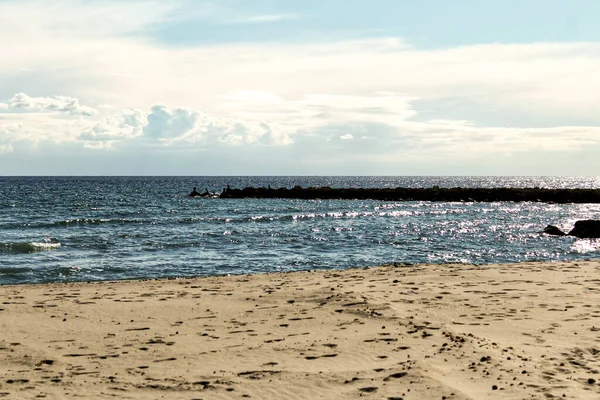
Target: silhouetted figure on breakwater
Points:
(194, 193)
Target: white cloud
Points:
(128, 124)
(264, 18)
(450, 122)
(169, 126)
(347, 136)
(166, 123)
(63, 18)
(64, 104)
(33, 128)
(318, 110)
(197, 127)
(254, 97)
(106, 145)
(7, 135)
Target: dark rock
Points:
(553, 230)
(584, 229)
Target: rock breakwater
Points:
(421, 194)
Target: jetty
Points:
(435, 193)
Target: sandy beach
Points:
(512, 331)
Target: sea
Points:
(61, 229)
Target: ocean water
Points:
(104, 228)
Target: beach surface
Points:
(510, 331)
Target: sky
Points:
(280, 87)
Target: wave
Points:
(30, 247)
(76, 222)
(96, 221)
(378, 212)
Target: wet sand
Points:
(512, 331)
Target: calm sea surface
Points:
(103, 228)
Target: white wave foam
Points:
(45, 245)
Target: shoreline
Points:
(275, 273)
(454, 331)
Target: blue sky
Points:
(426, 24)
(233, 87)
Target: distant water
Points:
(104, 228)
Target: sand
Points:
(514, 331)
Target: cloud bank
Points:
(386, 119)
